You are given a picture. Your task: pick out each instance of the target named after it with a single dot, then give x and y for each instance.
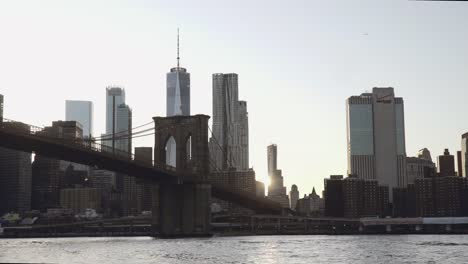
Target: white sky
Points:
(297, 62)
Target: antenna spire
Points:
(178, 58)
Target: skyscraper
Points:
(178, 89)
(276, 189)
(446, 164)
(81, 111)
(177, 100)
(272, 155)
(115, 96)
(229, 144)
(294, 196)
(464, 154)
(1, 108)
(15, 177)
(376, 137)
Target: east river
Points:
(252, 249)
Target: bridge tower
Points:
(184, 206)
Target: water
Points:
(258, 249)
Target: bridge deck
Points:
(95, 155)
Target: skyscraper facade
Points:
(115, 96)
(81, 111)
(294, 196)
(376, 137)
(1, 108)
(229, 144)
(464, 155)
(48, 173)
(15, 178)
(178, 89)
(177, 100)
(446, 164)
(272, 152)
(276, 189)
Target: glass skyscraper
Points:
(178, 92)
(81, 111)
(115, 96)
(376, 137)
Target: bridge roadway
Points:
(13, 136)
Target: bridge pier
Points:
(184, 210)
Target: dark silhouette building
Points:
(15, 177)
(459, 164)
(354, 197)
(48, 174)
(334, 200)
(446, 164)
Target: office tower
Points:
(81, 111)
(446, 164)
(272, 153)
(145, 190)
(459, 164)
(123, 129)
(294, 196)
(15, 177)
(419, 168)
(115, 96)
(242, 135)
(229, 144)
(333, 196)
(48, 173)
(178, 89)
(376, 137)
(1, 108)
(177, 100)
(464, 154)
(276, 189)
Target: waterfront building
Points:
(310, 205)
(82, 112)
(354, 197)
(376, 137)
(146, 200)
(294, 196)
(15, 177)
(333, 195)
(236, 181)
(276, 189)
(464, 155)
(229, 143)
(446, 164)
(48, 174)
(80, 199)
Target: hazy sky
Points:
(297, 62)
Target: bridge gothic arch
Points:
(190, 134)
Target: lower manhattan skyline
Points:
(296, 69)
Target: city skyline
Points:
(418, 72)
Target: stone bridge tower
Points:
(184, 206)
